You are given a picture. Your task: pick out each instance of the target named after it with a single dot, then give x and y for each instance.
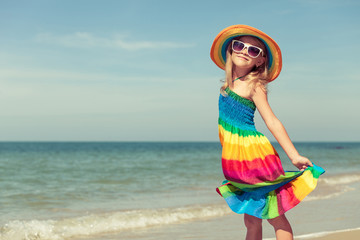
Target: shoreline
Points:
(349, 234)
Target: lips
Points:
(242, 57)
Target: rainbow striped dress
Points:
(256, 183)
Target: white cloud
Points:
(86, 40)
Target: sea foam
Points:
(113, 222)
(340, 179)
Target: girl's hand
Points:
(301, 162)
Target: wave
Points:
(329, 195)
(333, 186)
(119, 221)
(340, 179)
(115, 222)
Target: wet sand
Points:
(348, 235)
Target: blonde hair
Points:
(257, 77)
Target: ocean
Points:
(154, 190)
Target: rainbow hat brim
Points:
(224, 38)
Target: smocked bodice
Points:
(236, 111)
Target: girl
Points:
(256, 183)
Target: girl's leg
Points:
(254, 227)
(282, 228)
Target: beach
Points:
(350, 235)
(116, 190)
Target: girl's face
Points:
(242, 59)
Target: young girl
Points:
(256, 183)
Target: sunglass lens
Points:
(238, 46)
(253, 51)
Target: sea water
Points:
(92, 190)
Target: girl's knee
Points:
(278, 221)
(252, 222)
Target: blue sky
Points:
(140, 70)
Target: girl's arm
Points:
(277, 129)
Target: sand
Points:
(348, 235)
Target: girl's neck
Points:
(240, 73)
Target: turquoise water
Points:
(66, 190)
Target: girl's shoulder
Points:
(258, 90)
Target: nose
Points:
(243, 50)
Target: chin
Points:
(242, 64)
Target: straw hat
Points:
(224, 38)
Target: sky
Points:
(135, 70)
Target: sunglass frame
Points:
(247, 46)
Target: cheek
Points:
(236, 60)
(233, 58)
